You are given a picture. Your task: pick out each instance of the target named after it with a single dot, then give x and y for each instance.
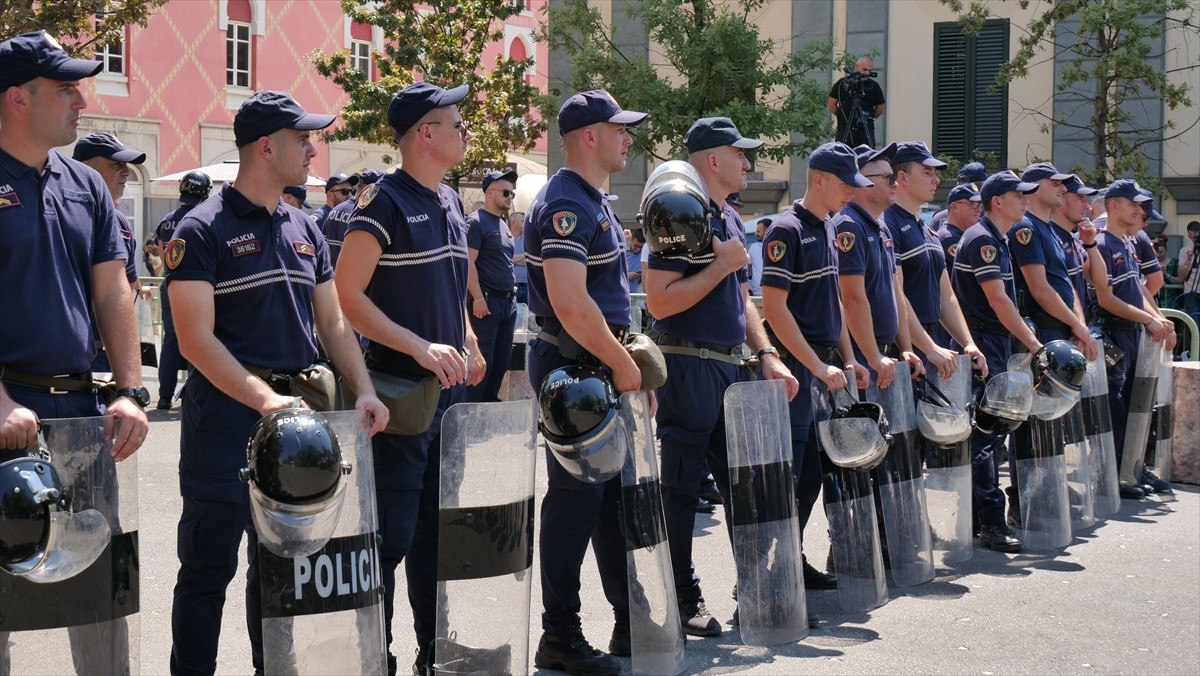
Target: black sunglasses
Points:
(890, 178)
(507, 193)
(345, 191)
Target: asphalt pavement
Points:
(1124, 597)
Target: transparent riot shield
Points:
(1077, 458)
(948, 491)
(901, 483)
(485, 538)
(1038, 458)
(850, 508)
(1141, 404)
(1102, 451)
(322, 613)
(656, 636)
(766, 530)
(76, 612)
(1164, 422)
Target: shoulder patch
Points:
(9, 199)
(564, 222)
(173, 254)
(845, 242)
(775, 251)
(1024, 235)
(988, 253)
(952, 249)
(368, 194)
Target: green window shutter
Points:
(967, 117)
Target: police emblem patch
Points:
(564, 222)
(173, 254)
(845, 242)
(304, 248)
(775, 251)
(368, 194)
(952, 249)
(1024, 236)
(987, 253)
(9, 199)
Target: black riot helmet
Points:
(1004, 403)
(194, 187)
(294, 457)
(30, 491)
(676, 212)
(579, 409)
(1059, 367)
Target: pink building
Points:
(171, 90)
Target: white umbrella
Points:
(225, 172)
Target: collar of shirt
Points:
(584, 185)
(991, 228)
(903, 213)
(242, 206)
(807, 217)
(16, 168)
(411, 183)
(867, 218)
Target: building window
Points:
(112, 56)
(360, 57)
(520, 5)
(970, 113)
(237, 55)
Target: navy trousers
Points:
(495, 335)
(985, 448)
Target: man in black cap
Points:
(972, 173)
(408, 233)
(492, 282)
(250, 280)
(963, 207)
(62, 277)
(338, 189)
(335, 224)
(296, 196)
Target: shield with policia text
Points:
(69, 587)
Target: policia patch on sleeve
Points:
(564, 222)
(775, 251)
(173, 255)
(845, 242)
(987, 253)
(1024, 235)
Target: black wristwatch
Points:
(765, 351)
(139, 394)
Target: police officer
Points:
(408, 232)
(492, 282)
(1074, 230)
(983, 282)
(801, 304)
(194, 188)
(971, 173)
(296, 196)
(241, 262)
(339, 188)
(334, 227)
(703, 315)
(962, 211)
(935, 310)
(578, 289)
(61, 269)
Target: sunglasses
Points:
(507, 193)
(345, 191)
(890, 178)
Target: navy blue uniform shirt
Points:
(489, 235)
(949, 235)
(1074, 256)
(866, 248)
(1033, 242)
(53, 228)
(1143, 248)
(420, 281)
(570, 219)
(322, 213)
(263, 266)
(922, 259)
(798, 257)
(130, 243)
(720, 317)
(982, 257)
(164, 233)
(334, 228)
(1121, 270)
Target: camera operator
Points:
(1189, 274)
(856, 100)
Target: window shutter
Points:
(966, 116)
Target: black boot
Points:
(571, 652)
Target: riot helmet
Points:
(856, 434)
(1058, 371)
(195, 187)
(1004, 403)
(295, 479)
(676, 213)
(40, 538)
(940, 420)
(580, 423)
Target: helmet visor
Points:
(855, 443)
(292, 531)
(76, 540)
(598, 457)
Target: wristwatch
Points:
(770, 349)
(140, 395)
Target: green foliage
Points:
(1106, 49)
(443, 43)
(724, 68)
(73, 22)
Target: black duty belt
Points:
(620, 332)
(1045, 321)
(60, 384)
(730, 354)
(279, 381)
(1118, 324)
(497, 293)
(826, 353)
(888, 349)
(986, 326)
(387, 360)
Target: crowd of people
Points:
(392, 276)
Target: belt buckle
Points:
(55, 390)
(704, 353)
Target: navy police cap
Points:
(338, 179)
(417, 99)
(1127, 188)
(1074, 185)
(714, 132)
(300, 193)
(268, 111)
(497, 175)
(973, 172)
(1003, 182)
(104, 144)
(1039, 170)
(838, 159)
(590, 107)
(37, 54)
(916, 151)
(866, 154)
(966, 191)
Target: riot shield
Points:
(76, 611)
(1078, 461)
(1038, 458)
(1102, 451)
(1141, 403)
(485, 538)
(322, 612)
(766, 531)
(1164, 421)
(948, 491)
(656, 636)
(850, 508)
(901, 483)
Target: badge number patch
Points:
(1024, 235)
(845, 242)
(775, 251)
(988, 253)
(564, 222)
(173, 254)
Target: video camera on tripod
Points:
(858, 116)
